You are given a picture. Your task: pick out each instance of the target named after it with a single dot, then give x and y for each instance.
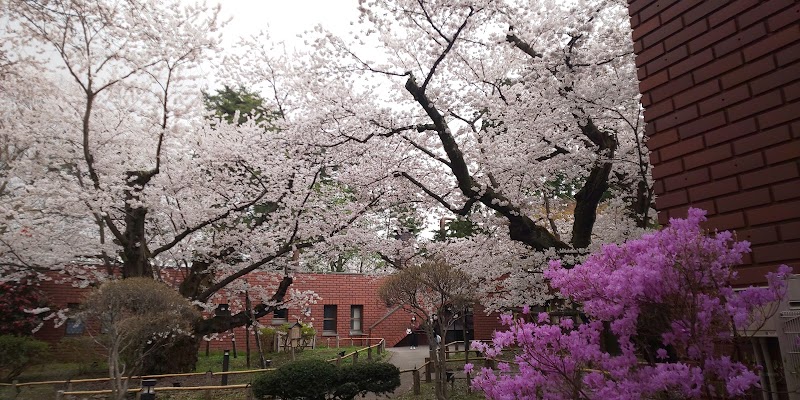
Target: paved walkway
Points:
(404, 358)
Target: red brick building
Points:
(348, 309)
(720, 83)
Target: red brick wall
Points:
(343, 290)
(720, 83)
(484, 325)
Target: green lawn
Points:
(59, 371)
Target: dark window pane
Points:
(329, 318)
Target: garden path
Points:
(404, 358)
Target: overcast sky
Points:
(284, 19)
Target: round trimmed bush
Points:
(305, 379)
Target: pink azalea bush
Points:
(666, 300)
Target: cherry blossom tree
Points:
(521, 118)
(108, 158)
(435, 292)
(522, 121)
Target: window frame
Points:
(329, 318)
(359, 319)
(280, 316)
(74, 326)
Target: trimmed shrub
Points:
(305, 379)
(18, 353)
(318, 380)
(267, 338)
(370, 377)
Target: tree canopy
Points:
(517, 124)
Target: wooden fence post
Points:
(415, 374)
(428, 369)
(369, 353)
(355, 357)
(209, 377)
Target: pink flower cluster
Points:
(667, 305)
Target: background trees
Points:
(523, 119)
(519, 123)
(438, 294)
(108, 158)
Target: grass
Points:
(59, 371)
(457, 391)
(214, 360)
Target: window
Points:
(74, 325)
(356, 314)
(280, 316)
(329, 320)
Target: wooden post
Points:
(369, 353)
(60, 395)
(250, 395)
(209, 377)
(466, 353)
(415, 373)
(338, 360)
(355, 357)
(428, 369)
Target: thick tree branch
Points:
(588, 198)
(521, 227)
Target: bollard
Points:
(226, 359)
(415, 373)
(428, 370)
(148, 391)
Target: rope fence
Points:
(378, 348)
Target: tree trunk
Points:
(180, 355)
(135, 255)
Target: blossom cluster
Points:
(655, 313)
